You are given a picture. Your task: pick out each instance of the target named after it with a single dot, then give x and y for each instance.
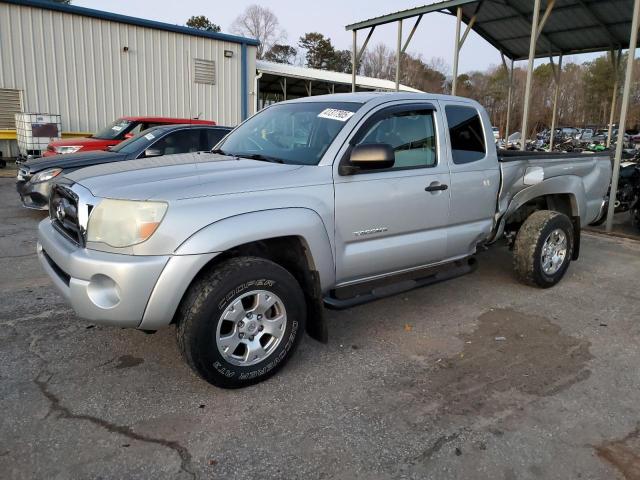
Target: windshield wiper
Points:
(219, 151)
(262, 158)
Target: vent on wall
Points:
(204, 71)
(10, 104)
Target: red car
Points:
(118, 131)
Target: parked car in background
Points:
(120, 130)
(36, 176)
(337, 199)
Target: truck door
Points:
(394, 219)
(475, 177)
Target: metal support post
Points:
(628, 80)
(527, 88)
(509, 94)
(459, 44)
(557, 74)
(354, 52)
(615, 60)
(398, 55)
(456, 52)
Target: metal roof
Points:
(141, 22)
(574, 26)
(304, 73)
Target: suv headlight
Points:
(67, 149)
(122, 223)
(46, 175)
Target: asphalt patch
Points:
(510, 357)
(623, 454)
(128, 361)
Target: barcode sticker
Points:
(149, 136)
(335, 114)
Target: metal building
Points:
(277, 81)
(92, 66)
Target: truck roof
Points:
(380, 97)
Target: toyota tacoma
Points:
(327, 201)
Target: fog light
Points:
(103, 291)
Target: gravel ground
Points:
(480, 377)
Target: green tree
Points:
(319, 52)
(281, 54)
(200, 22)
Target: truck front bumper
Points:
(132, 291)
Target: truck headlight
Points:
(122, 223)
(45, 175)
(67, 149)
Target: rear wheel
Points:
(240, 322)
(543, 248)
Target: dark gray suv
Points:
(36, 176)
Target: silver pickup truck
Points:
(319, 202)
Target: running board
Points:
(448, 272)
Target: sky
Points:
(433, 38)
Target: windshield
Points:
(294, 133)
(113, 131)
(138, 143)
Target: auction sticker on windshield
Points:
(335, 114)
(149, 136)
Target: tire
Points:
(528, 253)
(226, 351)
(602, 218)
(635, 216)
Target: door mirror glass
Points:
(153, 152)
(369, 156)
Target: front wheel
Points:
(241, 321)
(543, 248)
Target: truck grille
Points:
(63, 211)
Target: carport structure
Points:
(526, 30)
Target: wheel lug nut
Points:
(241, 324)
(259, 317)
(260, 328)
(251, 338)
(241, 335)
(249, 315)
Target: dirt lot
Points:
(479, 378)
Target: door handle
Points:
(436, 187)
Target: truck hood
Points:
(73, 160)
(188, 175)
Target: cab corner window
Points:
(411, 134)
(466, 134)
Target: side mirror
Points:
(153, 152)
(372, 156)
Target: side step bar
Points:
(447, 272)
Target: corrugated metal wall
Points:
(75, 66)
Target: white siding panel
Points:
(75, 66)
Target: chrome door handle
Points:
(436, 187)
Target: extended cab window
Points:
(466, 134)
(411, 134)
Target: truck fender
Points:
(245, 228)
(565, 185)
